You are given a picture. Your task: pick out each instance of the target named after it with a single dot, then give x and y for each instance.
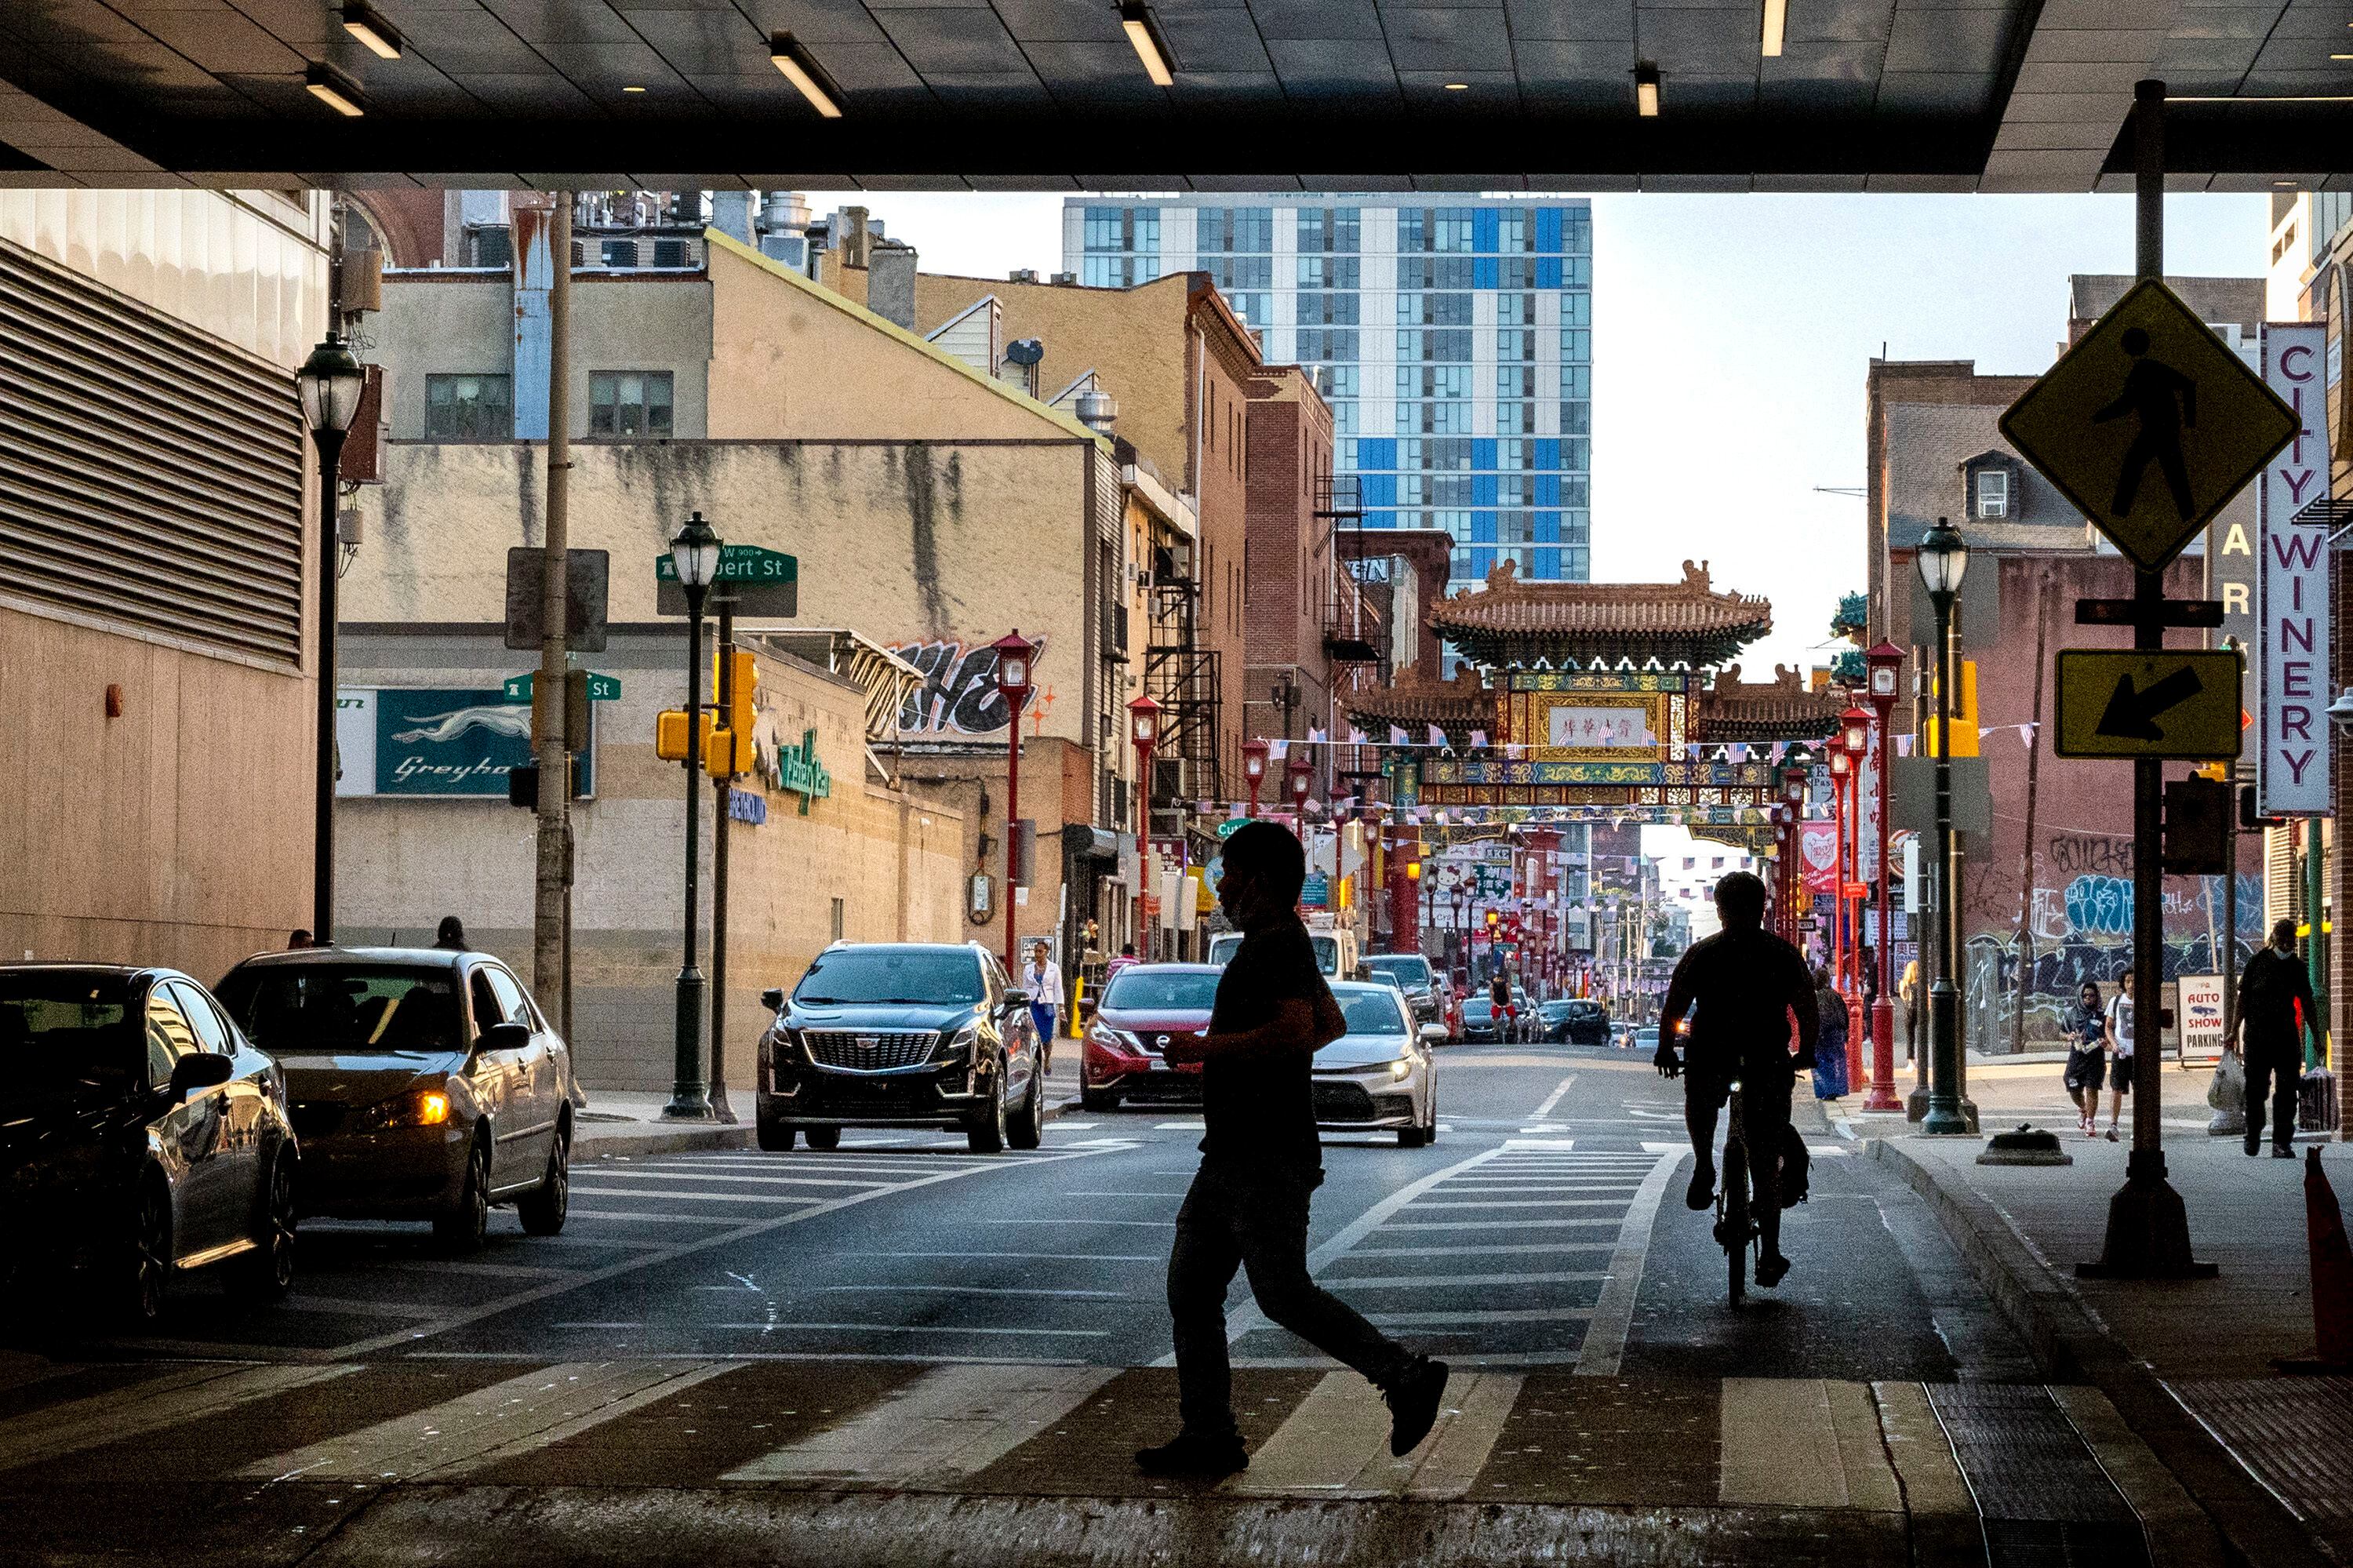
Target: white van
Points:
(1335, 952)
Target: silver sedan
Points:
(1379, 1074)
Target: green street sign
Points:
(601, 688)
(1231, 826)
(740, 564)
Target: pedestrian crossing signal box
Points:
(2197, 828)
(670, 734)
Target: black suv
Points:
(903, 1034)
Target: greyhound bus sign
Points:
(433, 741)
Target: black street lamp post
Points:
(1943, 557)
(330, 383)
(695, 553)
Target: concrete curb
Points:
(2070, 1344)
(516, 1527)
(657, 1138)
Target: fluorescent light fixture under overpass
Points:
(336, 91)
(1777, 26)
(789, 55)
(381, 39)
(1135, 20)
(1646, 91)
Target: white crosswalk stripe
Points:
(951, 1422)
(184, 1394)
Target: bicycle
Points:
(1735, 1226)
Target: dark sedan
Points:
(1575, 1021)
(903, 1034)
(1144, 1008)
(426, 1084)
(141, 1135)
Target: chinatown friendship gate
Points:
(1598, 702)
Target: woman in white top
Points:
(1041, 977)
(2120, 1044)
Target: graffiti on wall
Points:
(958, 698)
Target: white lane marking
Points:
(1086, 1194)
(1335, 1444)
(647, 1259)
(1447, 1281)
(1533, 1185)
(1614, 1313)
(735, 1176)
(1525, 1203)
(1552, 1099)
(1037, 1220)
(1473, 1320)
(468, 1265)
(1510, 1143)
(1545, 1247)
(475, 1429)
(354, 1306)
(1179, 1127)
(184, 1394)
(918, 1329)
(1456, 1362)
(1047, 1257)
(709, 1197)
(928, 1289)
(652, 1219)
(1528, 1224)
(1828, 1151)
(947, 1424)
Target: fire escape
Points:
(1181, 675)
(1353, 623)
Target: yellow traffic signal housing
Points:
(725, 752)
(740, 695)
(670, 734)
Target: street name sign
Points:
(751, 580)
(2149, 426)
(2125, 703)
(601, 688)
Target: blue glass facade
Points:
(1455, 344)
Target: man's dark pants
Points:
(2276, 1070)
(1255, 1220)
(1764, 1092)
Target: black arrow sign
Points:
(2131, 715)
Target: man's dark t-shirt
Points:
(2268, 994)
(1260, 1109)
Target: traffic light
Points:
(739, 695)
(2197, 828)
(670, 734)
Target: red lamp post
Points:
(1299, 772)
(1013, 655)
(1842, 769)
(1883, 661)
(1144, 733)
(1793, 881)
(1854, 725)
(1255, 769)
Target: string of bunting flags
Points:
(1733, 751)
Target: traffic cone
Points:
(2332, 1276)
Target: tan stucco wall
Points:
(902, 542)
(178, 833)
(895, 858)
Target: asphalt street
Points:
(902, 1316)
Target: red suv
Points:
(1144, 1007)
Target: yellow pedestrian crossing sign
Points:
(2149, 425)
(2127, 704)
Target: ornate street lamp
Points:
(1883, 663)
(694, 552)
(1299, 773)
(1014, 654)
(1943, 557)
(1854, 726)
(1144, 733)
(1255, 769)
(329, 386)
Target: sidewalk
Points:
(630, 1123)
(2187, 1363)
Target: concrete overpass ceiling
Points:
(1941, 95)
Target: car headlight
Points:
(957, 1044)
(1119, 1040)
(418, 1108)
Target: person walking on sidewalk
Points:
(2271, 1037)
(2119, 1032)
(1042, 978)
(1261, 1161)
(2085, 1030)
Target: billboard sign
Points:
(425, 741)
(2291, 652)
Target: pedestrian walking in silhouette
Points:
(1261, 1161)
(451, 935)
(2165, 401)
(2275, 998)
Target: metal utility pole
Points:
(551, 892)
(2148, 1230)
(722, 787)
(2042, 604)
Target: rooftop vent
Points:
(1097, 410)
(1023, 275)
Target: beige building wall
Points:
(889, 862)
(178, 832)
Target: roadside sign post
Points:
(2149, 425)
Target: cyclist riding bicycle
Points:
(1743, 985)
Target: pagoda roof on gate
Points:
(1513, 622)
(1413, 702)
(1782, 708)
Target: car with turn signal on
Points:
(427, 1085)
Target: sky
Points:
(1731, 339)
